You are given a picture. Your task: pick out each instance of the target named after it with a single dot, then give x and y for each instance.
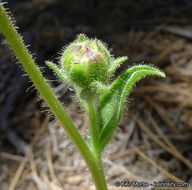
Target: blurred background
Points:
(153, 141)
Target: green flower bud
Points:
(86, 61)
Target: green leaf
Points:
(99, 88)
(82, 102)
(116, 63)
(111, 103)
(60, 74)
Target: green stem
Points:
(98, 175)
(36, 76)
(94, 128)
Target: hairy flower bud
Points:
(86, 61)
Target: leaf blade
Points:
(57, 71)
(111, 104)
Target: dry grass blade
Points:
(11, 156)
(169, 143)
(129, 175)
(35, 176)
(125, 153)
(163, 115)
(20, 169)
(168, 50)
(170, 176)
(159, 131)
(186, 33)
(161, 144)
(50, 166)
(50, 184)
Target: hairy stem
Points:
(94, 128)
(98, 176)
(36, 76)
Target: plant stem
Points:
(36, 76)
(94, 128)
(98, 175)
